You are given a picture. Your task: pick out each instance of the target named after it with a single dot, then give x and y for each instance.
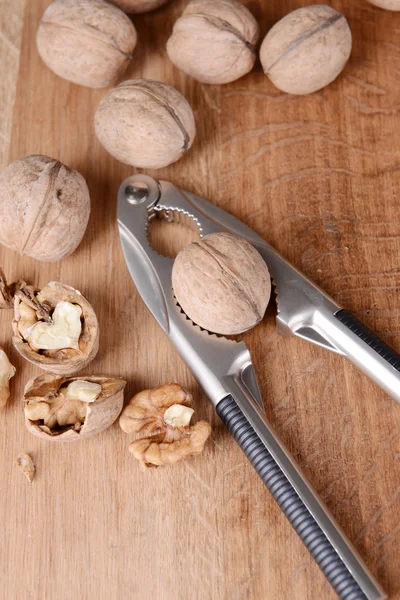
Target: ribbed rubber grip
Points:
(290, 503)
(369, 338)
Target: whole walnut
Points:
(222, 283)
(214, 41)
(387, 4)
(44, 208)
(89, 42)
(307, 49)
(145, 123)
(138, 6)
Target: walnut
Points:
(7, 292)
(64, 410)
(307, 49)
(222, 283)
(55, 328)
(6, 372)
(145, 123)
(27, 466)
(214, 41)
(163, 413)
(88, 42)
(44, 208)
(387, 4)
(138, 6)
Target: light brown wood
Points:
(319, 178)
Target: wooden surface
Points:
(319, 178)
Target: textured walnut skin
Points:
(144, 123)
(68, 361)
(44, 208)
(100, 414)
(222, 283)
(138, 6)
(88, 42)
(307, 49)
(214, 41)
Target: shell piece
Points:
(6, 372)
(7, 292)
(27, 466)
(138, 6)
(307, 49)
(51, 415)
(222, 283)
(64, 361)
(145, 123)
(386, 4)
(88, 42)
(44, 208)
(214, 41)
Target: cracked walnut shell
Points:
(138, 6)
(55, 328)
(67, 409)
(88, 42)
(44, 208)
(214, 41)
(222, 283)
(145, 123)
(6, 372)
(164, 415)
(307, 49)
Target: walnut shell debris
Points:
(222, 283)
(138, 6)
(145, 123)
(307, 49)
(386, 4)
(163, 414)
(8, 291)
(88, 42)
(34, 309)
(214, 41)
(44, 208)
(52, 413)
(7, 371)
(27, 466)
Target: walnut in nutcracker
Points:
(88, 42)
(44, 208)
(307, 49)
(145, 123)
(214, 41)
(55, 328)
(162, 415)
(63, 409)
(222, 283)
(138, 6)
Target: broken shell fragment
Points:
(6, 372)
(55, 328)
(27, 466)
(67, 409)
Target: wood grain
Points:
(319, 178)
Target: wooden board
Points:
(319, 178)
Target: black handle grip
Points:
(370, 338)
(289, 501)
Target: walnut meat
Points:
(307, 49)
(65, 410)
(88, 42)
(138, 6)
(145, 123)
(164, 415)
(55, 328)
(214, 41)
(27, 466)
(44, 208)
(222, 283)
(6, 372)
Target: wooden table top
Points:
(318, 177)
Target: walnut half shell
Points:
(53, 413)
(75, 337)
